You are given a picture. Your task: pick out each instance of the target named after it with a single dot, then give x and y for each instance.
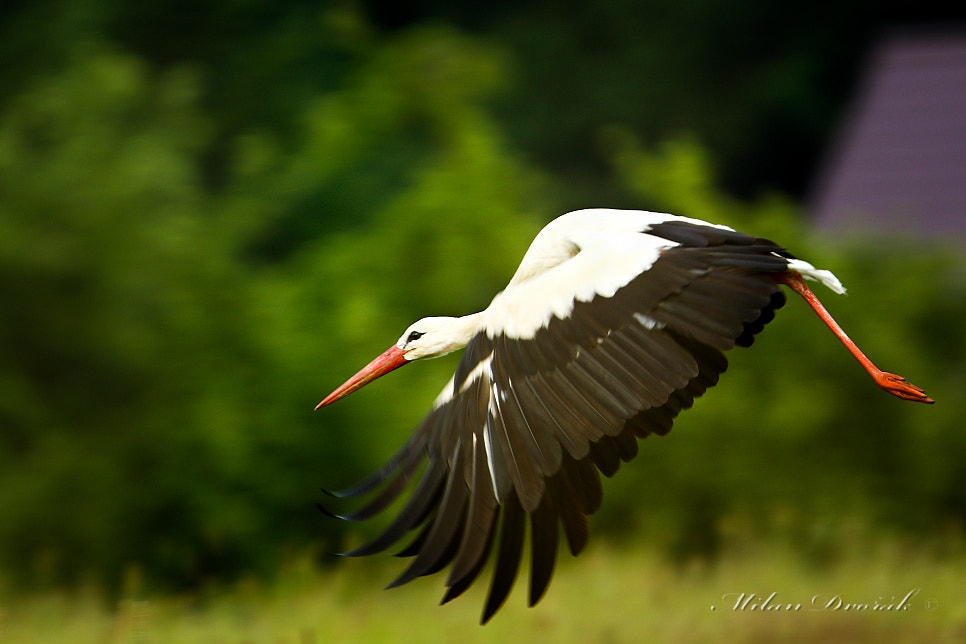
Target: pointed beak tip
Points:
(331, 398)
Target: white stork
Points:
(615, 321)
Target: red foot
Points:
(900, 387)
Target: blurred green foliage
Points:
(194, 251)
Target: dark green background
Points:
(211, 213)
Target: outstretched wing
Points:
(537, 411)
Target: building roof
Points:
(899, 162)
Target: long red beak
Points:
(392, 358)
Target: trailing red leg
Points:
(888, 382)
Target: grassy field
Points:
(610, 594)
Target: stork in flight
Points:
(615, 321)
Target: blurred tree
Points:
(165, 343)
(760, 84)
(123, 333)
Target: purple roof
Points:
(899, 163)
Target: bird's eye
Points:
(415, 335)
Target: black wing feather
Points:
(543, 548)
(508, 557)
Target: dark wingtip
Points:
(536, 594)
(366, 549)
(352, 554)
(339, 494)
(449, 596)
(404, 578)
(326, 512)
(495, 601)
(539, 585)
(490, 610)
(333, 515)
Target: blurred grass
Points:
(611, 594)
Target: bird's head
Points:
(427, 338)
(430, 338)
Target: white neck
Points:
(464, 328)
